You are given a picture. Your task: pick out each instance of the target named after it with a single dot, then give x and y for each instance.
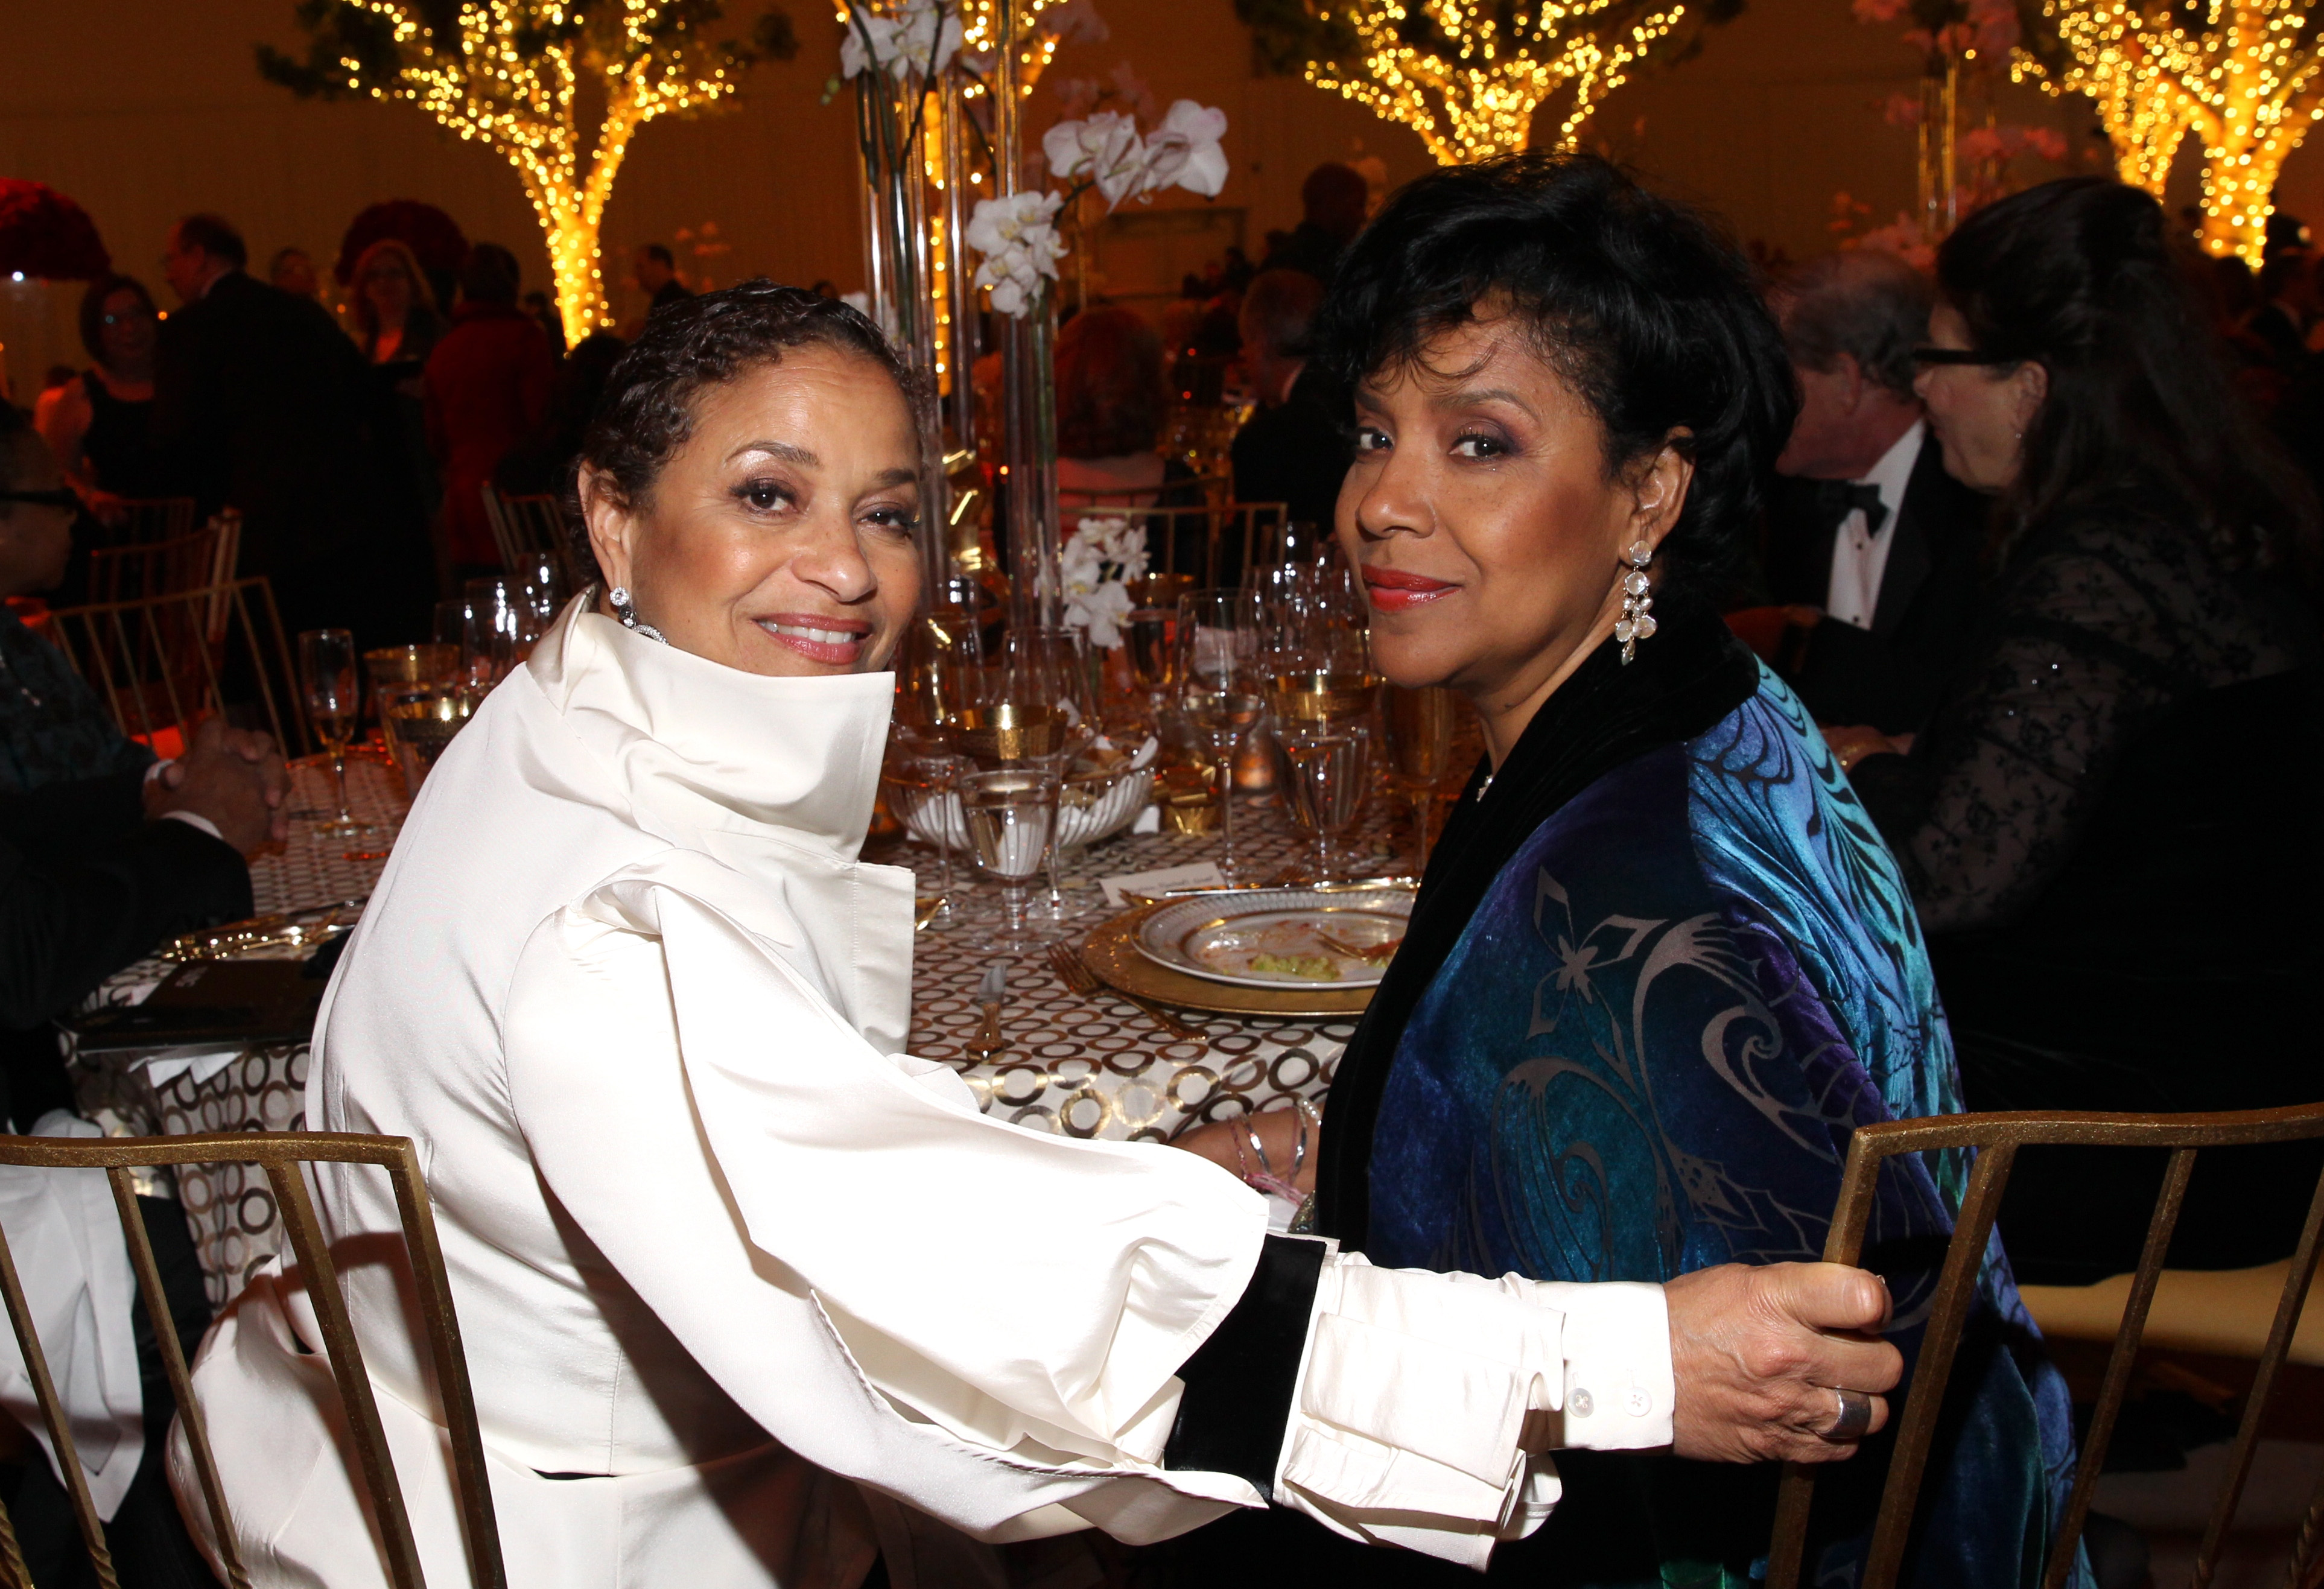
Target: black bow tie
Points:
(1837, 498)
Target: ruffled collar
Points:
(699, 747)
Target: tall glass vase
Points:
(1029, 372)
(893, 132)
(1940, 176)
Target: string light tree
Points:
(515, 75)
(1470, 76)
(2242, 75)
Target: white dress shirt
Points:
(718, 1245)
(1859, 554)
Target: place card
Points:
(1199, 875)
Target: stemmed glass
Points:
(1151, 632)
(925, 777)
(1419, 723)
(1323, 721)
(333, 689)
(488, 641)
(1220, 637)
(1012, 816)
(1050, 667)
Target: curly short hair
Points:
(1643, 305)
(1871, 306)
(647, 410)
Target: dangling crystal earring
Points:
(620, 597)
(1637, 619)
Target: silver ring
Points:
(1855, 1417)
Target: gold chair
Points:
(207, 557)
(1996, 1138)
(528, 527)
(161, 663)
(281, 1154)
(153, 518)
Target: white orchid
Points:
(922, 37)
(1106, 553)
(1185, 150)
(1105, 149)
(1017, 237)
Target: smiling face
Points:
(779, 538)
(1979, 413)
(1488, 524)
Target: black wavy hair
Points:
(2079, 276)
(1642, 304)
(646, 411)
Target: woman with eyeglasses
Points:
(96, 425)
(2109, 823)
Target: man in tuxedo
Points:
(1872, 547)
(267, 407)
(1293, 450)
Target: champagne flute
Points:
(1220, 634)
(1419, 724)
(333, 687)
(1011, 816)
(925, 778)
(1051, 667)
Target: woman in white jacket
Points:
(719, 1246)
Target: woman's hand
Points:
(1228, 1143)
(1759, 1354)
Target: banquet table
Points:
(1090, 1066)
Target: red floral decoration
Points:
(45, 235)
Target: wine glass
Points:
(489, 637)
(1323, 722)
(1011, 816)
(1051, 667)
(1220, 634)
(925, 778)
(535, 594)
(333, 689)
(1151, 632)
(1419, 724)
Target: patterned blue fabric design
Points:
(1646, 1054)
(53, 729)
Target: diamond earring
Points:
(1637, 619)
(623, 609)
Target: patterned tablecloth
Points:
(1086, 1066)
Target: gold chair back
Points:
(1996, 1139)
(207, 557)
(281, 1154)
(529, 527)
(166, 662)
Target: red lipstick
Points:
(1393, 590)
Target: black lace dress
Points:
(2111, 826)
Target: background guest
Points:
(292, 271)
(1870, 541)
(260, 405)
(1110, 401)
(653, 270)
(99, 425)
(544, 314)
(540, 464)
(2287, 308)
(1332, 202)
(397, 326)
(487, 385)
(2110, 824)
(1294, 448)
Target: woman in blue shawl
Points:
(1662, 964)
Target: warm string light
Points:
(473, 80)
(1478, 97)
(2246, 82)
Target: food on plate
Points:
(1313, 967)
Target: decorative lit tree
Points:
(519, 75)
(2242, 75)
(1469, 76)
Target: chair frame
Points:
(1218, 522)
(219, 542)
(515, 519)
(281, 1154)
(1996, 1138)
(117, 633)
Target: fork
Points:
(1071, 970)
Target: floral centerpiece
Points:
(46, 235)
(1106, 553)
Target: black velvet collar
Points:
(1682, 681)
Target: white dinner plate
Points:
(1277, 937)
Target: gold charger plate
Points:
(1111, 955)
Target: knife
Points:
(988, 1041)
